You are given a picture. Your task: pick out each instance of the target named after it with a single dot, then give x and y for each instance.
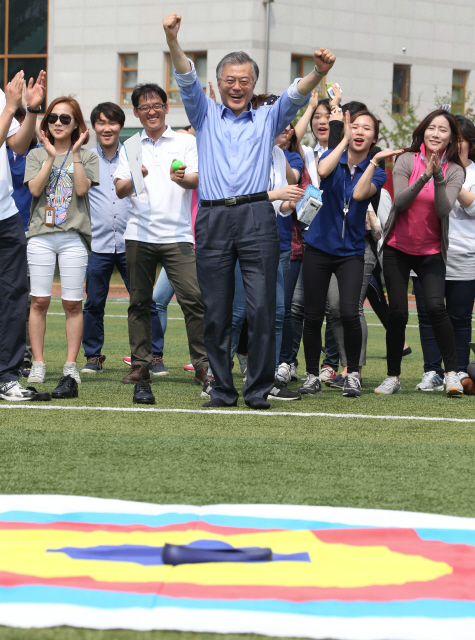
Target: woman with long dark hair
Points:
(427, 181)
(59, 176)
(459, 277)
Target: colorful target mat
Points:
(354, 574)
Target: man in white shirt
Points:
(159, 231)
(13, 265)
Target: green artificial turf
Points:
(232, 458)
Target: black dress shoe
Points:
(67, 388)
(257, 403)
(219, 402)
(143, 393)
(39, 395)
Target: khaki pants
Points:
(178, 259)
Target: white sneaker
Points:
(462, 375)
(327, 373)
(15, 392)
(283, 373)
(388, 386)
(453, 386)
(71, 369)
(38, 372)
(293, 371)
(431, 381)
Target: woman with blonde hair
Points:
(59, 175)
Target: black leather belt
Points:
(231, 202)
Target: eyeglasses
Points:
(243, 83)
(150, 107)
(63, 118)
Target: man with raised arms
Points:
(236, 219)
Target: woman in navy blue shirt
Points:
(336, 243)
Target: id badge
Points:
(49, 216)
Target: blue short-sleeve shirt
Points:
(326, 230)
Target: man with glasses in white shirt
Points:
(159, 231)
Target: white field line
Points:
(229, 412)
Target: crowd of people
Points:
(217, 213)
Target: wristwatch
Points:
(28, 108)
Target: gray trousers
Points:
(247, 232)
(178, 259)
(334, 301)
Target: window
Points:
(459, 80)
(200, 60)
(129, 63)
(23, 38)
(300, 66)
(401, 89)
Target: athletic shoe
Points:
(280, 392)
(388, 386)
(186, 367)
(67, 388)
(431, 381)
(14, 392)
(453, 386)
(293, 371)
(242, 359)
(352, 386)
(283, 373)
(71, 369)
(327, 373)
(312, 385)
(38, 372)
(206, 391)
(127, 360)
(25, 369)
(94, 365)
(157, 368)
(462, 375)
(338, 382)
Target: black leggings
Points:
(318, 268)
(430, 269)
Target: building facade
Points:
(399, 52)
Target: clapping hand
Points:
(48, 147)
(387, 153)
(212, 93)
(348, 130)
(35, 93)
(324, 60)
(433, 165)
(313, 102)
(171, 25)
(80, 141)
(14, 91)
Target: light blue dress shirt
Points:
(235, 153)
(108, 213)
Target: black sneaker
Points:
(352, 387)
(312, 385)
(336, 383)
(94, 365)
(207, 386)
(25, 369)
(143, 393)
(67, 388)
(280, 392)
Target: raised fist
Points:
(171, 25)
(324, 60)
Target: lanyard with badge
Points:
(50, 210)
(346, 203)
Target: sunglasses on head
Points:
(63, 118)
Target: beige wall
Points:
(87, 36)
